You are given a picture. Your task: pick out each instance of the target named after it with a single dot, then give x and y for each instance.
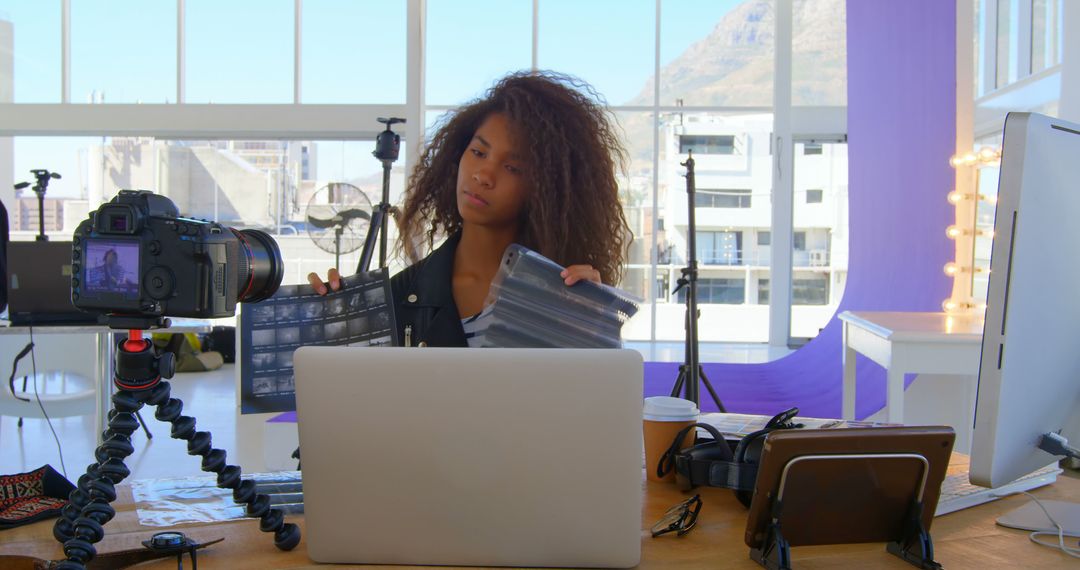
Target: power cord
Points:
(1034, 536)
(1074, 552)
(37, 395)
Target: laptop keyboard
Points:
(958, 493)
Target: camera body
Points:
(136, 256)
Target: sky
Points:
(353, 51)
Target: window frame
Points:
(300, 121)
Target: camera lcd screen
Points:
(112, 266)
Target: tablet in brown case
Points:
(848, 485)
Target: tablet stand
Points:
(914, 546)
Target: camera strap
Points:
(15, 368)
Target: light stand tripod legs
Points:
(685, 377)
(81, 522)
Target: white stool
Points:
(62, 394)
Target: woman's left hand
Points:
(575, 273)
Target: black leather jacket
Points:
(424, 300)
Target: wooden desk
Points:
(965, 539)
(906, 343)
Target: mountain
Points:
(733, 65)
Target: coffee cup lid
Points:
(667, 409)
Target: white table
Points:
(106, 353)
(908, 343)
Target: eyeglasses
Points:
(679, 519)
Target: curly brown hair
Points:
(573, 215)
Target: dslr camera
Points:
(136, 257)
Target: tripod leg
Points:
(708, 386)
(679, 381)
(146, 429)
(81, 522)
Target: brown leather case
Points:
(856, 492)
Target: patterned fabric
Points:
(28, 497)
(476, 325)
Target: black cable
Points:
(37, 396)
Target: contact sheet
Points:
(359, 314)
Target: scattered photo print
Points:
(263, 337)
(356, 302)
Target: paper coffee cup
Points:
(664, 417)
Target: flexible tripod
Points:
(691, 371)
(387, 145)
(138, 379)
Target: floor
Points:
(210, 397)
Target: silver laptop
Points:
(476, 457)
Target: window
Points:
(804, 291)
(719, 248)
(707, 144)
(726, 291)
(810, 291)
(814, 196)
(314, 66)
(722, 198)
(800, 241)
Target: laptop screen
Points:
(39, 284)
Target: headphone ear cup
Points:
(749, 453)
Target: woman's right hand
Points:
(333, 278)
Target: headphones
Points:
(713, 462)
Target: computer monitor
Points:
(1029, 373)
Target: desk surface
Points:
(939, 327)
(965, 539)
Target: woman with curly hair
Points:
(532, 162)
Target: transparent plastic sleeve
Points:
(167, 502)
(533, 307)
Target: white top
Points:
(476, 325)
(901, 326)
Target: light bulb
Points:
(954, 232)
(951, 269)
(954, 160)
(955, 197)
(989, 154)
(949, 306)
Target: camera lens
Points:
(265, 267)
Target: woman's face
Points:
(493, 180)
